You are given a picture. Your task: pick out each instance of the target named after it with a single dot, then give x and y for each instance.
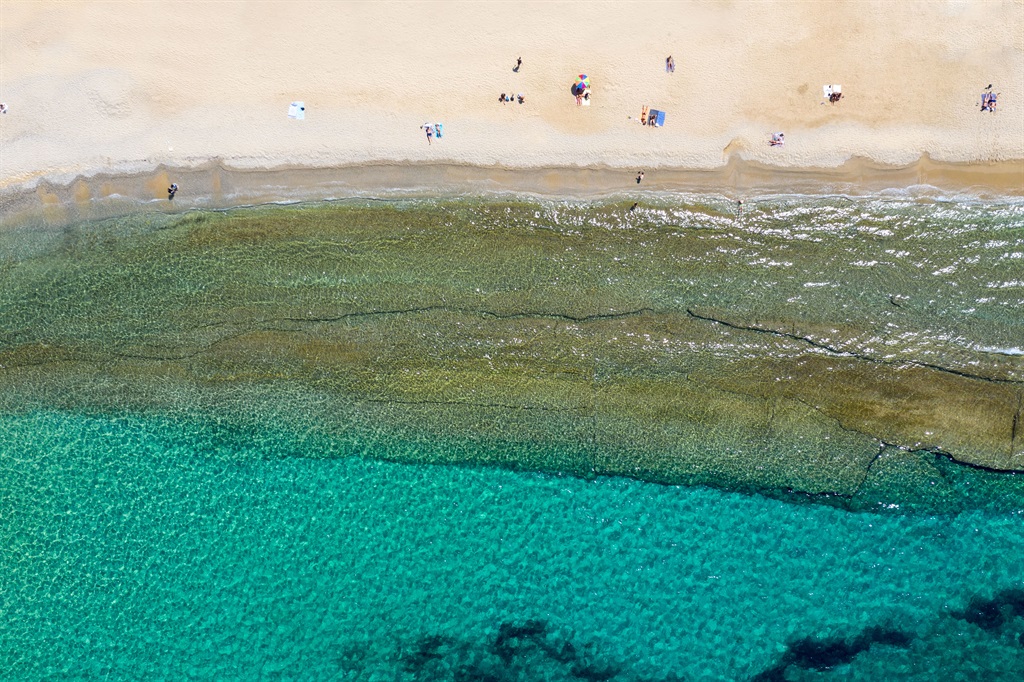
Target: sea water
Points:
(175, 512)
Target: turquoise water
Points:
(154, 549)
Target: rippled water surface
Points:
(516, 440)
(141, 549)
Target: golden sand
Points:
(120, 88)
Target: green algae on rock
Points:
(784, 349)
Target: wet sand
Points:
(216, 186)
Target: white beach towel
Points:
(297, 110)
(827, 90)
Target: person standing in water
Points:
(171, 191)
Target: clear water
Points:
(251, 445)
(145, 549)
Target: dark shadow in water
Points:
(991, 614)
(520, 652)
(822, 655)
(527, 650)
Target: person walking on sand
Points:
(639, 177)
(670, 64)
(171, 191)
(519, 62)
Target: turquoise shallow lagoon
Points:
(152, 549)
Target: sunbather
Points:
(778, 139)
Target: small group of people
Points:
(582, 94)
(503, 98)
(777, 140)
(648, 117)
(433, 130)
(988, 99)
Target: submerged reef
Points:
(852, 351)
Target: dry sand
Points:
(137, 87)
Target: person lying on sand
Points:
(778, 139)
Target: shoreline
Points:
(104, 114)
(217, 185)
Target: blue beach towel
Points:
(438, 130)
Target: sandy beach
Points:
(132, 89)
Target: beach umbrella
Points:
(583, 80)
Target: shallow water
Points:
(823, 345)
(248, 444)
